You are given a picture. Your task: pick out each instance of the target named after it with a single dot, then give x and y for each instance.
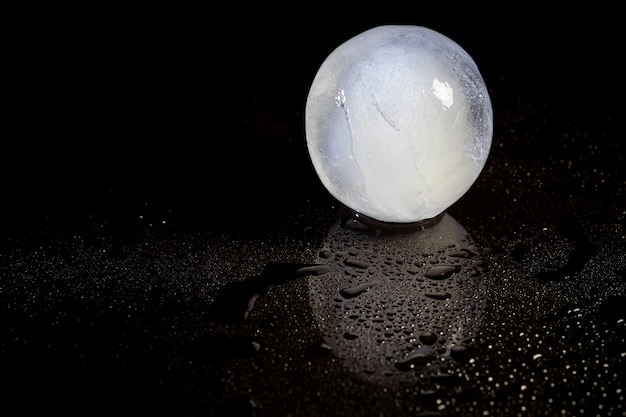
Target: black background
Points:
(197, 106)
(120, 118)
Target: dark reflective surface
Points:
(162, 229)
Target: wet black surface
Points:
(162, 229)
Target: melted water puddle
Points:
(397, 306)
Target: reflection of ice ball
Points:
(398, 123)
(390, 303)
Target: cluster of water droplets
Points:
(397, 306)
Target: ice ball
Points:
(398, 123)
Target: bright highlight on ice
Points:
(398, 123)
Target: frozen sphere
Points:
(398, 123)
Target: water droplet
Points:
(428, 338)
(357, 290)
(313, 270)
(356, 263)
(442, 271)
(463, 253)
(420, 357)
(251, 302)
(438, 295)
(460, 353)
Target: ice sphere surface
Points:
(398, 123)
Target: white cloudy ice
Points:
(399, 123)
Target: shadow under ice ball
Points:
(398, 123)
